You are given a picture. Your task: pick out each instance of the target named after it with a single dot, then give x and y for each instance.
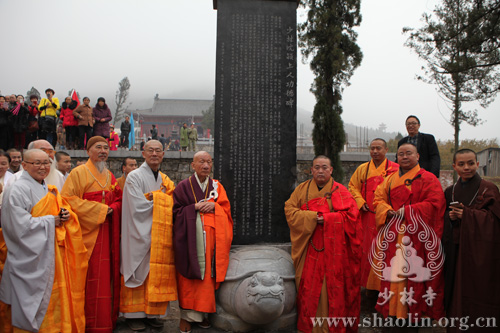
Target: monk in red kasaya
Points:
(326, 250)
(365, 180)
(409, 207)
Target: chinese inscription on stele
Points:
(255, 114)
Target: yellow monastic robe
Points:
(362, 186)
(159, 288)
(90, 213)
(304, 223)
(65, 312)
(121, 182)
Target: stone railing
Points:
(177, 164)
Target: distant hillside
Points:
(356, 135)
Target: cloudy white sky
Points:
(168, 47)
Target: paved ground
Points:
(172, 323)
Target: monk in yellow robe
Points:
(203, 232)
(44, 275)
(147, 255)
(94, 195)
(326, 248)
(364, 181)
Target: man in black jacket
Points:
(426, 146)
(125, 128)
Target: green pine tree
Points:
(328, 38)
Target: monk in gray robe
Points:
(42, 277)
(147, 258)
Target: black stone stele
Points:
(256, 114)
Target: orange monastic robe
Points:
(362, 186)
(90, 194)
(5, 326)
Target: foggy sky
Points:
(168, 47)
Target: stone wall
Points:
(177, 164)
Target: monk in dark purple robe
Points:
(203, 231)
(472, 245)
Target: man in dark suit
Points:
(426, 146)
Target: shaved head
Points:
(33, 153)
(201, 153)
(152, 143)
(380, 139)
(153, 154)
(202, 164)
(413, 147)
(407, 157)
(38, 144)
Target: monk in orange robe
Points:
(203, 232)
(362, 186)
(94, 195)
(44, 274)
(129, 164)
(409, 207)
(147, 261)
(326, 250)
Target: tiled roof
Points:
(177, 107)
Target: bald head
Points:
(153, 143)
(202, 164)
(201, 154)
(37, 164)
(407, 157)
(378, 150)
(40, 144)
(153, 154)
(43, 145)
(33, 153)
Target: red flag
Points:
(74, 96)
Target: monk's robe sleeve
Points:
(223, 233)
(223, 202)
(26, 225)
(31, 242)
(356, 184)
(137, 215)
(345, 210)
(488, 211)
(186, 256)
(381, 203)
(301, 223)
(430, 204)
(90, 213)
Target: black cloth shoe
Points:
(205, 323)
(135, 324)
(154, 322)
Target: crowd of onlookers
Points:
(67, 125)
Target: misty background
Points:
(168, 47)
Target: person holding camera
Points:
(48, 117)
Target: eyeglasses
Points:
(38, 164)
(413, 123)
(151, 150)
